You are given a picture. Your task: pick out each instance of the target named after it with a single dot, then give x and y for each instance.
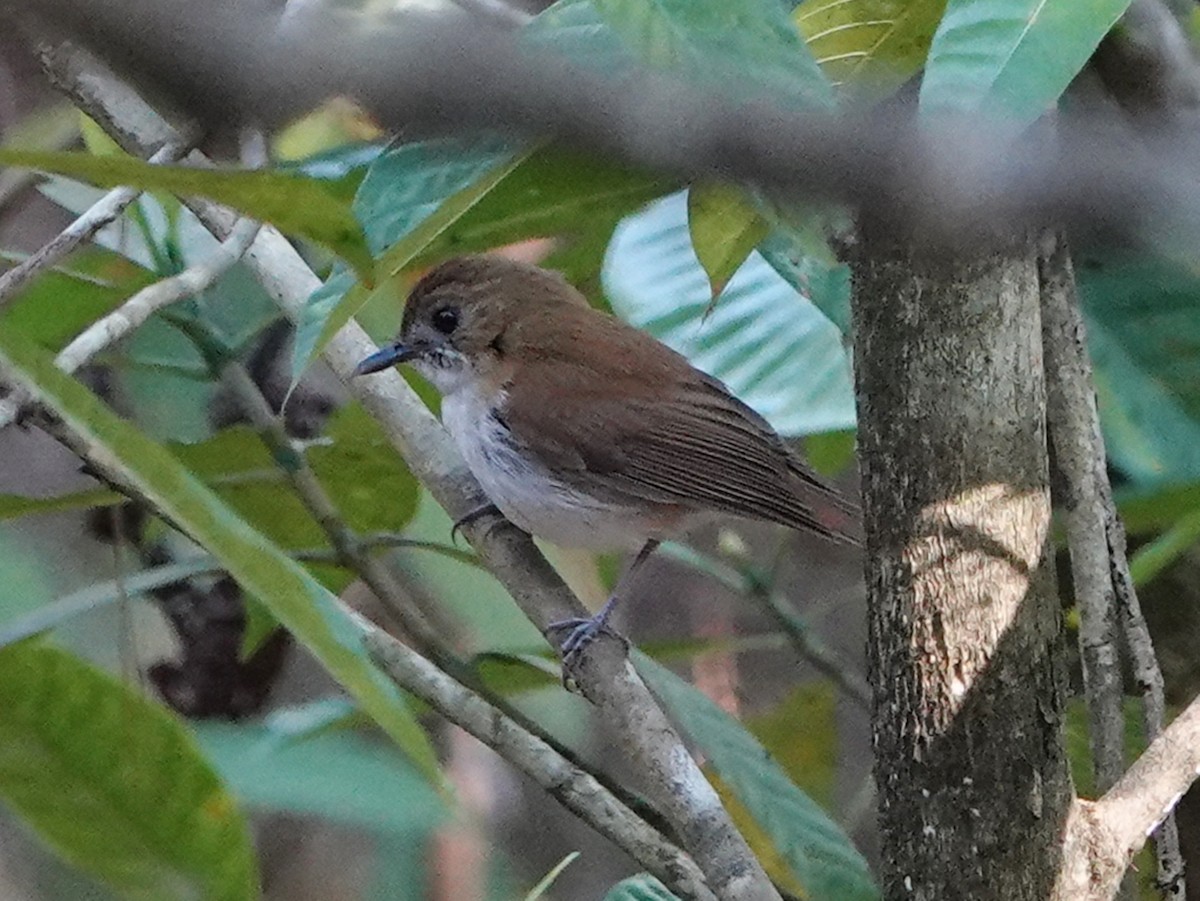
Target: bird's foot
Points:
(465, 520)
(582, 631)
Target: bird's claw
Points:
(581, 632)
(470, 517)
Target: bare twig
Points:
(575, 788)
(671, 777)
(141, 306)
(1079, 455)
(100, 214)
(1100, 569)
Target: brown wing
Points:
(652, 428)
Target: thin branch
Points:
(1073, 425)
(141, 306)
(1103, 585)
(671, 777)
(426, 73)
(101, 213)
(574, 787)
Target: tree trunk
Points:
(965, 631)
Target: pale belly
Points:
(529, 496)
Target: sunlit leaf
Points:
(869, 48)
(114, 783)
(724, 227)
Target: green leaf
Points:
(409, 197)
(642, 887)
(1151, 559)
(548, 880)
(100, 594)
(1159, 507)
(819, 854)
(869, 48)
(14, 505)
(1011, 58)
(337, 774)
(61, 303)
(724, 227)
(356, 464)
(115, 784)
(308, 610)
(293, 203)
(768, 343)
(741, 49)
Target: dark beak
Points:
(389, 356)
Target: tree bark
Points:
(965, 631)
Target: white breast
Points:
(526, 493)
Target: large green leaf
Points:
(308, 610)
(114, 783)
(820, 856)
(766, 341)
(355, 463)
(61, 303)
(742, 49)
(869, 48)
(411, 194)
(1012, 58)
(295, 204)
(336, 774)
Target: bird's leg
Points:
(581, 631)
(469, 517)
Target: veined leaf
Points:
(293, 203)
(766, 341)
(115, 784)
(1011, 59)
(309, 611)
(869, 48)
(819, 854)
(411, 194)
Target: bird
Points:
(587, 432)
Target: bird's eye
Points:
(445, 320)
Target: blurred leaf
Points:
(1079, 747)
(114, 783)
(803, 259)
(724, 227)
(818, 853)
(869, 48)
(768, 343)
(642, 887)
(357, 466)
(1152, 509)
(14, 505)
(831, 453)
(548, 880)
(740, 49)
(800, 733)
(1011, 58)
(308, 610)
(337, 774)
(294, 204)
(100, 594)
(61, 303)
(1144, 339)
(411, 194)
(1151, 559)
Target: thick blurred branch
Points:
(670, 776)
(950, 182)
